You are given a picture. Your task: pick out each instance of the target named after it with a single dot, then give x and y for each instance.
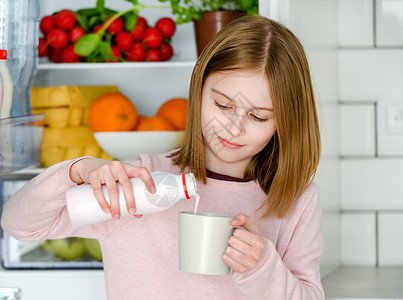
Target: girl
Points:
(252, 141)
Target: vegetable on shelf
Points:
(101, 34)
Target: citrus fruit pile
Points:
(104, 35)
(116, 112)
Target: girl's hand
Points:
(245, 246)
(97, 172)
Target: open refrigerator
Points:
(19, 255)
(29, 272)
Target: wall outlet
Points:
(390, 126)
(394, 118)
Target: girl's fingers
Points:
(245, 248)
(145, 175)
(112, 173)
(253, 239)
(245, 221)
(97, 187)
(113, 192)
(237, 261)
(127, 187)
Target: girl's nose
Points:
(236, 124)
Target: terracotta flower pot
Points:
(210, 23)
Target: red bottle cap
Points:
(3, 54)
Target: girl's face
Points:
(237, 119)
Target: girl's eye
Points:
(258, 119)
(221, 106)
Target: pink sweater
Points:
(141, 255)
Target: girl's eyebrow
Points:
(229, 98)
(221, 93)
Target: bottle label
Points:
(185, 188)
(167, 191)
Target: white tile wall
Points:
(358, 242)
(370, 74)
(356, 26)
(357, 129)
(390, 126)
(391, 239)
(320, 43)
(389, 18)
(371, 179)
(372, 184)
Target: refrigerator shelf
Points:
(17, 255)
(121, 65)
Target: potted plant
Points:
(210, 16)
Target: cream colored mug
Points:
(203, 238)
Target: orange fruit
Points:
(112, 112)
(175, 110)
(140, 120)
(155, 123)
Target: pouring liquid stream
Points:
(197, 199)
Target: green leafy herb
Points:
(106, 51)
(87, 44)
(100, 6)
(130, 20)
(82, 20)
(188, 10)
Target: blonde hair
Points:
(288, 163)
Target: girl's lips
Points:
(228, 144)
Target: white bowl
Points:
(127, 145)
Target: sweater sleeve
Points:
(38, 210)
(295, 273)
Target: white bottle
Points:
(6, 91)
(84, 210)
(19, 20)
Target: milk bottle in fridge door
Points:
(6, 87)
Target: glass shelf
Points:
(20, 142)
(118, 65)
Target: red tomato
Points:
(166, 52)
(65, 19)
(47, 24)
(142, 20)
(69, 56)
(166, 26)
(138, 31)
(116, 26)
(97, 28)
(57, 38)
(124, 40)
(153, 55)
(136, 53)
(117, 53)
(153, 38)
(76, 33)
(56, 55)
(43, 49)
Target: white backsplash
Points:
(356, 23)
(358, 241)
(390, 238)
(389, 23)
(370, 77)
(320, 43)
